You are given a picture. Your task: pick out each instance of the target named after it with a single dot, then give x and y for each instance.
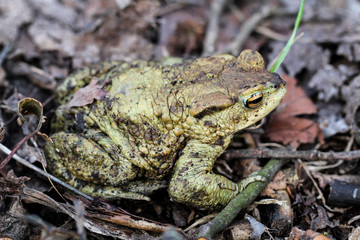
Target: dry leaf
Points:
(297, 234)
(86, 95)
(14, 14)
(30, 106)
(52, 36)
(276, 184)
(2, 129)
(284, 125)
(309, 56)
(182, 32)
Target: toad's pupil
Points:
(256, 99)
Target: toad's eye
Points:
(254, 101)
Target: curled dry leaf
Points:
(30, 106)
(27, 106)
(86, 95)
(285, 126)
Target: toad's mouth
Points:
(256, 125)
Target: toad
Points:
(160, 124)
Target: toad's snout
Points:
(278, 80)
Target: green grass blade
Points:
(285, 51)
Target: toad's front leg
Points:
(193, 181)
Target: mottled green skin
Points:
(159, 122)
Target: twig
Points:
(320, 193)
(212, 30)
(353, 219)
(305, 155)
(175, 6)
(2, 128)
(36, 75)
(267, 32)
(247, 28)
(200, 221)
(244, 199)
(4, 52)
(323, 165)
(41, 172)
(8, 158)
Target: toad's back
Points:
(131, 117)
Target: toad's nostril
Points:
(279, 79)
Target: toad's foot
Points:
(245, 182)
(193, 181)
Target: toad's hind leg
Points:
(96, 168)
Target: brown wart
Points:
(211, 101)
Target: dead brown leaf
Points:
(301, 56)
(86, 95)
(297, 234)
(11, 184)
(114, 33)
(50, 36)
(14, 14)
(59, 11)
(12, 222)
(182, 32)
(351, 95)
(285, 126)
(278, 183)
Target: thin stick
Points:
(212, 30)
(8, 158)
(41, 172)
(247, 28)
(285, 154)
